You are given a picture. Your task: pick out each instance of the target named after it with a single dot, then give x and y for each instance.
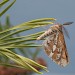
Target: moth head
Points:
(56, 27)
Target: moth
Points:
(54, 45)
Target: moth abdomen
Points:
(47, 33)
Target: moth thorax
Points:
(56, 26)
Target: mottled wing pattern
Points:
(55, 48)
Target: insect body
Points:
(54, 44)
(50, 31)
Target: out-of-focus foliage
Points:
(3, 3)
(23, 43)
(11, 42)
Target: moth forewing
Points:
(48, 44)
(62, 45)
(55, 48)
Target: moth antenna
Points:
(67, 23)
(66, 32)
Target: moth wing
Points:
(55, 48)
(48, 44)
